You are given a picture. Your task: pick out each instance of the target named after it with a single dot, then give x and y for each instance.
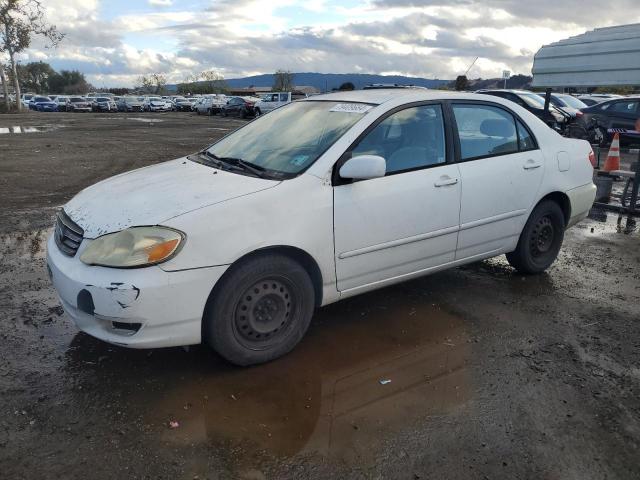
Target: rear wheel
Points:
(540, 240)
(260, 311)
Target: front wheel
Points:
(260, 311)
(540, 240)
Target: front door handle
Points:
(445, 180)
(531, 164)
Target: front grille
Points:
(68, 234)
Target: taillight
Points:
(592, 158)
(579, 114)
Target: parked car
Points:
(156, 104)
(182, 104)
(619, 113)
(553, 117)
(42, 104)
(568, 103)
(241, 106)
(103, 104)
(210, 105)
(25, 98)
(271, 101)
(78, 104)
(131, 104)
(595, 98)
(61, 100)
(320, 200)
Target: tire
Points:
(540, 240)
(257, 113)
(225, 113)
(260, 310)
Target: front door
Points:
(407, 221)
(501, 169)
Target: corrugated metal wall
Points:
(602, 57)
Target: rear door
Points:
(501, 169)
(407, 221)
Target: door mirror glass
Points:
(364, 167)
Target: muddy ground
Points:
(492, 374)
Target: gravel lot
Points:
(493, 374)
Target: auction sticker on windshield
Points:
(351, 108)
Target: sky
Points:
(113, 42)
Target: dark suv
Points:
(618, 114)
(553, 117)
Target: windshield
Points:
(155, 99)
(532, 100)
(572, 101)
(42, 99)
(77, 99)
(130, 99)
(103, 99)
(291, 138)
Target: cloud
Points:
(428, 38)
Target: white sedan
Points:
(320, 200)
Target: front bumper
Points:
(137, 308)
(581, 199)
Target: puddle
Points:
(27, 129)
(612, 222)
(369, 368)
(145, 120)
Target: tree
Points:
(155, 83)
(461, 83)
(214, 80)
(5, 88)
(347, 86)
(20, 21)
(69, 81)
(35, 76)
(283, 81)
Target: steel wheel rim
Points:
(263, 313)
(542, 237)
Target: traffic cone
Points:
(613, 158)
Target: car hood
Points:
(152, 195)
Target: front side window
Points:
(291, 138)
(409, 139)
(485, 131)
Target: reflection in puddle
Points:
(20, 129)
(145, 120)
(330, 396)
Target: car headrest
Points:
(497, 127)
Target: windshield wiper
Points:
(238, 163)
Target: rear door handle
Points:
(445, 180)
(531, 164)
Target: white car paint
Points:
(362, 235)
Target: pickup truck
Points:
(271, 101)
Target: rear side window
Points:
(624, 107)
(408, 139)
(525, 140)
(485, 131)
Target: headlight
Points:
(134, 247)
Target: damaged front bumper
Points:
(138, 308)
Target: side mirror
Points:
(364, 167)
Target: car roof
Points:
(380, 95)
